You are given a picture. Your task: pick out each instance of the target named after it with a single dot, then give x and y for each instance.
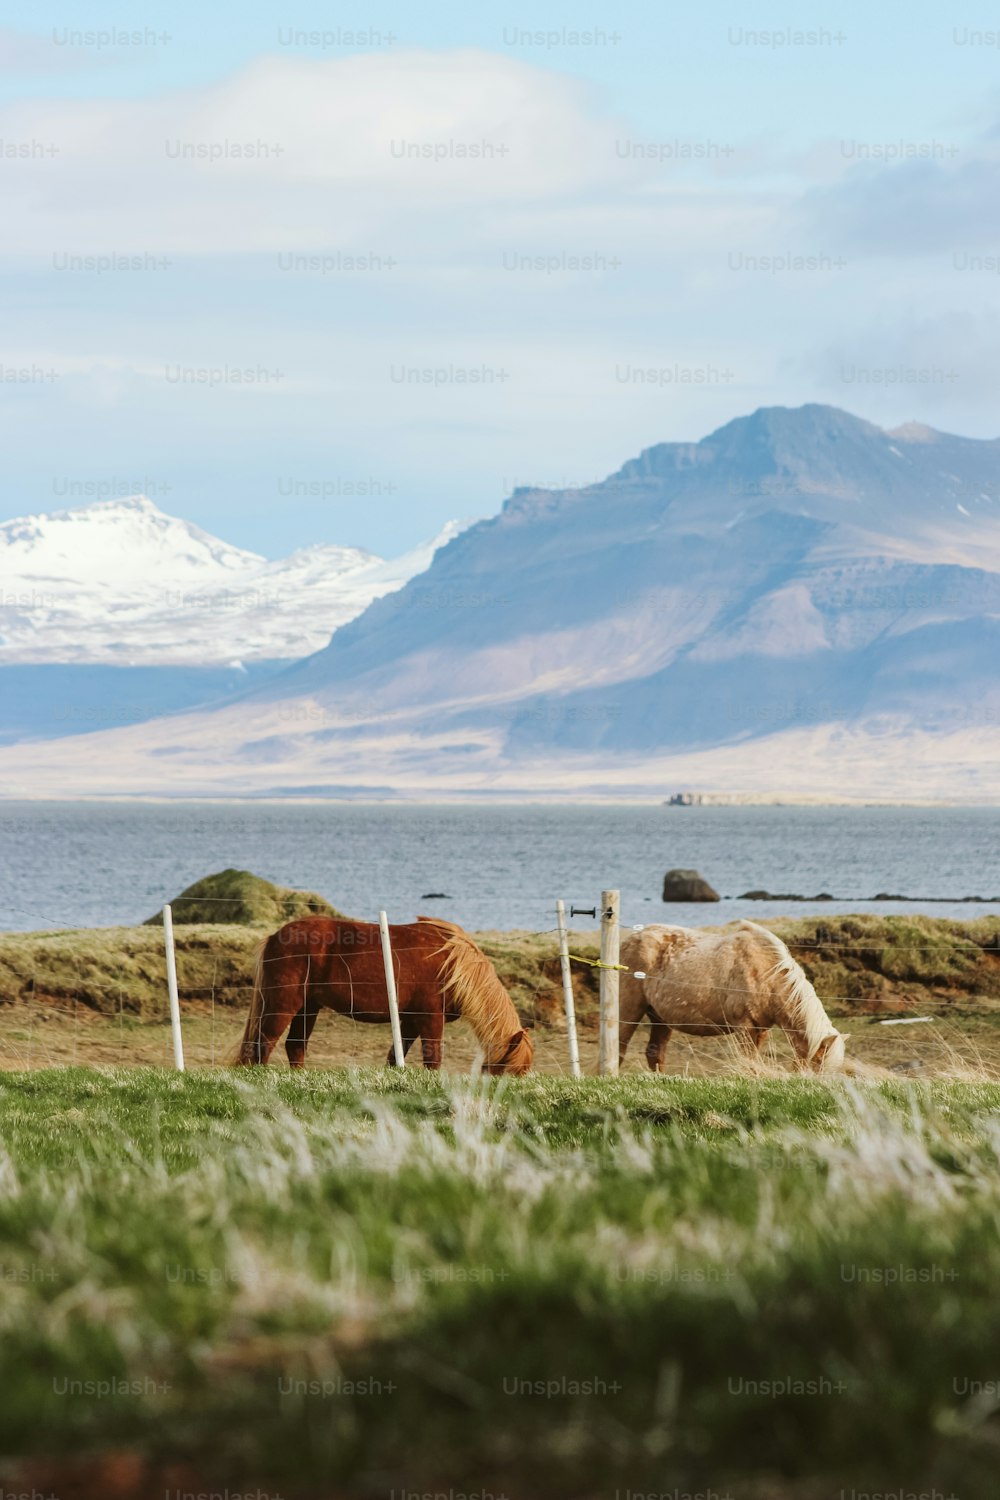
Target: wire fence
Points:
(51, 1016)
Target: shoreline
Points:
(494, 799)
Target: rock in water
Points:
(687, 885)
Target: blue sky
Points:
(476, 249)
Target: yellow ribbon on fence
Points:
(597, 963)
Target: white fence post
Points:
(567, 984)
(390, 984)
(175, 1004)
(610, 940)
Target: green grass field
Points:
(349, 1283)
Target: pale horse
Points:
(739, 981)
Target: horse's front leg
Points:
(750, 1039)
(430, 1041)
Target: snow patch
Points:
(121, 576)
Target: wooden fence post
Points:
(175, 1004)
(390, 984)
(610, 941)
(567, 984)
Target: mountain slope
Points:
(799, 600)
(787, 553)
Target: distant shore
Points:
(501, 798)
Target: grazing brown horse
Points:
(440, 976)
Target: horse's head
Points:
(829, 1055)
(515, 1057)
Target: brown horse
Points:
(327, 961)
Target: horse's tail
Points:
(824, 1043)
(248, 1050)
(472, 983)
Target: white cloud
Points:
(300, 153)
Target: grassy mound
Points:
(238, 898)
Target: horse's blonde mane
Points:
(806, 1008)
(469, 978)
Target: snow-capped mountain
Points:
(121, 583)
(801, 602)
(116, 544)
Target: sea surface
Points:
(77, 864)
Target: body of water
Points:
(77, 864)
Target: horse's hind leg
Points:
(298, 1035)
(626, 1031)
(659, 1036)
(631, 1009)
(280, 1005)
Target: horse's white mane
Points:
(806, 1007)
